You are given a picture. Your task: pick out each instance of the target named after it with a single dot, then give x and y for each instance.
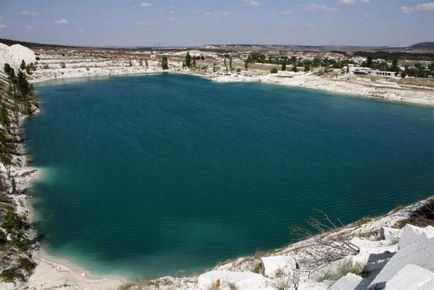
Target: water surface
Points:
(169, 174)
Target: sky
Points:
(200, 22)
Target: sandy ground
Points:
(57, 273)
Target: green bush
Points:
(9, 275)
(273, 70)
(26, 264)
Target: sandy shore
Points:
(59, 273)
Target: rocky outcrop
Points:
(16, 238)
(15, 54)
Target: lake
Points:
(169, 174)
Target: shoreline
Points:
(340, 87)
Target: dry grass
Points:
(422, 217)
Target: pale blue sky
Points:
(194, 22)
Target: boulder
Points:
(411, 277)
(390, 234)
(411, 234)
(419, 254)
(273, 264)
(348, 282)
(241, 280)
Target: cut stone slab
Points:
(273, 264)
(348, 282)
(411, 234)
(390, 234)
(242, 280)
(420, 254)
(411, 277)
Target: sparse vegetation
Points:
(422, 217)
(164, 63)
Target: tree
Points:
(295, 69)
(4, 117)
(23, 85)
(7, 69)
(23, 65)
(316, 62)
(164, 63)
(306, 67)
(284, 64)
(246, 64)
(395, 64)
(230, 63)
(369, 61)
(194, 62)
(273, 70)
(188, 59)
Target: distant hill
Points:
(423, 45)
(28, 44)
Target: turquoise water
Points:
(169, 174)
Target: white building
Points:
(368, 71)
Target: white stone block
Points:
(273, 264)
(411, 277)
(242, 280)
(348, 282)
(420, 254)
(411, 234)
(390, 234)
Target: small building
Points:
(383, 73)
(368, 71)
(360, 70)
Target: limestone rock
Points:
(15, 54)
(411, 234)
(390, 234)
(273, 264)
(348, 282)
(411, 277)
(241, 280)
(420, 254)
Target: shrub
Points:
(273, 70)
(12, 223)
(9, 275)
(26, 264)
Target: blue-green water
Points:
(169, 174)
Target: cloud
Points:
(61, 21)
(352, 2)
(145, 4)
(217, 13)
(171, 19)
(423, 7)
(29, 27)
(2, 26)
(287, 12)
(28, 13)
(139, 22)
(252, 3)
(319, 7)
